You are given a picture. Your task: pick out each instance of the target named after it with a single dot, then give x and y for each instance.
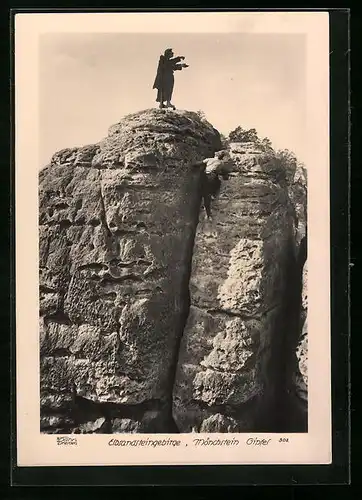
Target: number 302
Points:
(283, 440)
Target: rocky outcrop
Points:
(301, 372)
(298, 374)
(297, 191)
(152, 318)
(117, 223)
(234, 350)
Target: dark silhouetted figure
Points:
(164, 81)
(211, 171)
(211, 184)
(210, 188)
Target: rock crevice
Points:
(235, 352)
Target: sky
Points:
(88, 82)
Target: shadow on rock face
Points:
(236, 351)
(116, 246)
(154, 319)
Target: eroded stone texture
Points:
(301, 376)
(117, 228)
(297, 190)
(117, 222)
(230, 366)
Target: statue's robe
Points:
(164, 81)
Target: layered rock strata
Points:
(154, 319)
(117, 223)
(236, 348)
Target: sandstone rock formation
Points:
(117, 223)
(301, 374)
(297, 190)
(129, 268)
(235, 345)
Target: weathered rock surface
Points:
(301, 377)
(117, 223)
(230, 365)
(152, 318)
(297, 191)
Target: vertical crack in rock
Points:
(117, 228)
(297, 370)
(286, 419)
(197, 180)
(233, 372)
(153, 318)
(296, 375)
(103, 214)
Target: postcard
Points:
(172, 238)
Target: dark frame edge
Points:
(337, 473)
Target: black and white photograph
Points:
(173, 239)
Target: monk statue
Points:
(164, 80)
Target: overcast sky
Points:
(89, 81)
